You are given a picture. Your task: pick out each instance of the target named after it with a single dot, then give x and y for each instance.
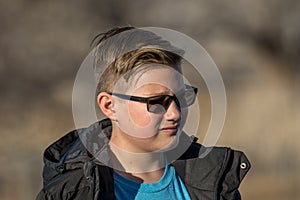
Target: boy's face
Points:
(150, 131)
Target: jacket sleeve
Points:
(44, 196)
(235, 169)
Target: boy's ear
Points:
(104, 101)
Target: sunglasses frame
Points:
(147, 99)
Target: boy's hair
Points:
(120, 50)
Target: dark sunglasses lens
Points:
(190, 96)
(159, 104)
(186, 98)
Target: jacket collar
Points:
(90, 144)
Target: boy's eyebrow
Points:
(156, 93)
(168, 92)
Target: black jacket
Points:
(71, 172)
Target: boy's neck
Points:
(136, 163)
(146, 177)
(133, 163)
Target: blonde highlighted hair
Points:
(123, 49)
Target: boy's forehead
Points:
(159, 74)
(168, 77)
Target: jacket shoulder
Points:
(64, 169)
(71, 184)
(235, 167)
(214, 172)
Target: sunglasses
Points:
(160, 104)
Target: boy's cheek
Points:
(134, 119)
(138, 114)
(184, 113)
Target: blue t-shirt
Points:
(169, 187)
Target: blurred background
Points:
(255, 44)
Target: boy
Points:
(139, 151)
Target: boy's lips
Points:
(170, 129)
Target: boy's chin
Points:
(171, 145)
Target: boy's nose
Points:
(173, 112)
